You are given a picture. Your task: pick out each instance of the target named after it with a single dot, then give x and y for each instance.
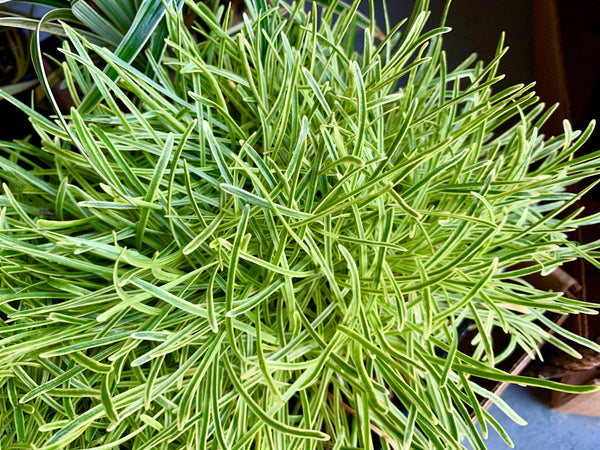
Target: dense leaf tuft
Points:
(272, 241)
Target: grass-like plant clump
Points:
(266, 243)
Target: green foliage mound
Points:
(268, 241)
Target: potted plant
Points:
(269, 242)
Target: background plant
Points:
(266, 243)
(127, 27)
